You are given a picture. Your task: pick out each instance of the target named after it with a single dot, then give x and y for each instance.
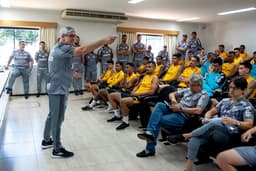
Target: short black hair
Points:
(217, 60)
(130, 64)
(110, 62)
(254, 52)
(232, 52)
(146, 57)
(42, 42)
(159, 56)
(240, 82)
(246, 64)
(178, 55)
(153, 63)
(120, 63)
(124, 35)
(221, 45)
(197, 58)
(193, 32)
(242, 46)
(191, 52)
(237, 48)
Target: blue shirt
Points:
(213, 81)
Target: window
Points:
(10, 37)
(156, 41)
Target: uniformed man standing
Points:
(41, 58)
(78, 70)
(138, 50)
(165, 56)
(23, 64)
(91, 66)
(194, 44)
(122, 51)
(105, 54)
(60, 78)
(149, 54)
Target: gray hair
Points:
(66, 29)
(196, 79)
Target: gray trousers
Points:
(57, 107)
(16, 72)
(77, 83)
(202, 135)
(41, 74)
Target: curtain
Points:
(170, 42)
(131, 39)
(48, 35)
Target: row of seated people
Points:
(149, 82)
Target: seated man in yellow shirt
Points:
(238, 58)
(222, 53)
(244, 70)
(141, 70)
(229, 68)
(112, 82)
(188, 59)
(147, 86)
(159, 66)
(102, 81)
(173, 71)
(244, 55)
(188, 72)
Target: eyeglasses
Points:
(70, 35)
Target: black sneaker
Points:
(8, 91)
(81, 92)
(61, 153)
(122, 126)
(47, 144)
(38, 95)
(146, 136)
(144, 153)
(86, 108)
(115, 118)
(26, 96)
(174, 139)
(76, 92)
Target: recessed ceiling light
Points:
(188, 19)
(135, 1)
(5, 3)
(237, 11)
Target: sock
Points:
(117, 113)
(126, 119)
(98, 102)
(148, 132)
(109, 106)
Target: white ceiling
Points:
(157, 9)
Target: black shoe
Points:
(174, 139)
(115, 118)
(122, 126)
(61, 153)
(76, 92)
(145, 154)
(47, 144)
(87, 108)
(81, 92)
(8, 90)
(26, 96)
(162, 139)
(145, 136)
(38, 95)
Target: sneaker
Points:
(26, 96)
(61, 153)
(76, 92)
(8, 90)
(47, 144)
(81, 92)
(146, 136)
(38, 95)
(87, 108)
(114, 118)
(122, 126)
(144, 153)
(174, 139)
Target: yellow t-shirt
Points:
(249, 79)
(107, 75)
(224, 55)
(187, 73)
(157, 69)
(145, 84)
(129, 78)
(142, 66)
(227, 68)
(244, 56)
(186, 63)
(171, 72)
(115, 79)
(237, 60)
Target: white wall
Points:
(231, 34)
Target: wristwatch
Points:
(238, 123)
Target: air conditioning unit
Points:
(93, 15)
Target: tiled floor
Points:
(96, 143)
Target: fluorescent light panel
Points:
(188, 19)
(135, 1)
(5, 3)
(237, 11)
